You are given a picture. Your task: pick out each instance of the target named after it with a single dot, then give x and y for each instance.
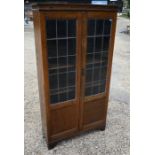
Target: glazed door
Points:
(63, 72)
(97, 53)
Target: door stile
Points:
(79, 65)
(110, 57)
(83, 60)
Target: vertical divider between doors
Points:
(78, 63)
(83, 62)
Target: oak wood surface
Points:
(69, 118)
(51, 6)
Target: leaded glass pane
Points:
(98, 39)
(61, 50)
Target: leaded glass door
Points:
(97, 55)
(63, 72)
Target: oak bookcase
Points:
(74, 50)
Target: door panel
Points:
(94, 111)
(62, 78)
(98, 38)
(97, 64)
(63, 119)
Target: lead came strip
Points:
(105, 35)
(61, 38)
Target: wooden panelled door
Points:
(76, 61)
(98, 29)
(62, 61)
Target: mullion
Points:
(64, 98)
(96, 81)
(105, 35)
(93, 59)
(96, 62)
(57, 59)
(97, 52)
(100, 69)
(58, 67)
(67, 94)
(60, 56)
(61, 73)
(65, 89)
(61, 38)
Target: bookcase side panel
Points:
(38, 45)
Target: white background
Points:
(142, 77)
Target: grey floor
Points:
(115, 139)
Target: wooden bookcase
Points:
(74, 50)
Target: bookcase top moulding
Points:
(49, 6)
